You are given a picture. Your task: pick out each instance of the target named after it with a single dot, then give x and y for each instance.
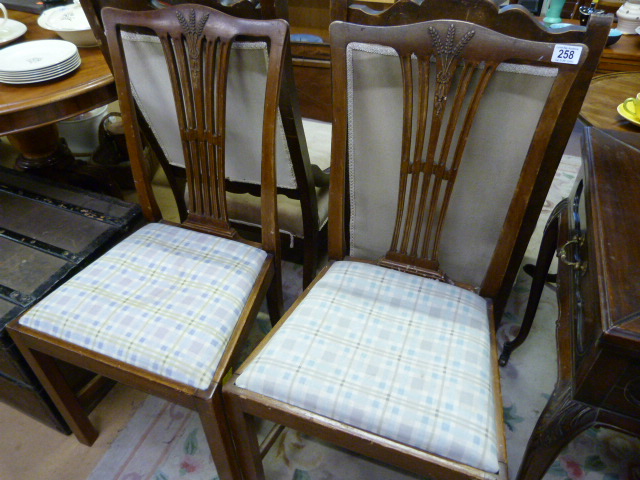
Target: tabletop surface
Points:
(605, 93)
(28, 106)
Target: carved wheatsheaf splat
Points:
(198, 67)
(434, 139)
(447, 56)
(193, 34)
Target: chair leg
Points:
(61, 394)
(310, 258)
(246, 439)
(216, 429)
(275, 304)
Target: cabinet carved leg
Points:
(543, 262)
(560, 422)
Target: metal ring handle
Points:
(562, 254)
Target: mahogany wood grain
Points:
(622, 56)
(605, 93)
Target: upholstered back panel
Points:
(499, 140)
(245, 102)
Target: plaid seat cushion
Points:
(401, 356)
(165, 299)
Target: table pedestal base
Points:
(41, 148)
(44, 153)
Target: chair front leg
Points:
(62, 395)
(243, 427)
(218, 433)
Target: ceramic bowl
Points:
(70, 23)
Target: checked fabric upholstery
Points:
(398, 355)
(165, 300)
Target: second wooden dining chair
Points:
(441, 129)
(166, 310)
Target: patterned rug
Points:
(166, 442)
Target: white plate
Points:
(43, 79)
(42, 71)
(11, 30)
(50, 71)
(34, 55)
(67, 17)
(638, 30)
(40, 78)
(71, 59)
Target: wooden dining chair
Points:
(303, 192)
(513, 20)
(441, 129)
(167, 309)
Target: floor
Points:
(31, 451)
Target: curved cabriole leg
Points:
(560, 422)
(545, 257)
(216, 429)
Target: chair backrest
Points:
(517, 22)
(265, 9)
(442, 130)
(197, 42)
(248, 72)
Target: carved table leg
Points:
(560, 422)
(543, 262)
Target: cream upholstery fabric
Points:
(247, 207)
(507, 116)
(245, 103)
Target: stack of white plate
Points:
(37, 61)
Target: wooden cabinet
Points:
(311, 60)
(598, 330)
(38, 256)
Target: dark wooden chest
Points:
(48, 232)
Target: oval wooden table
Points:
(605, 93)
(29, 113)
